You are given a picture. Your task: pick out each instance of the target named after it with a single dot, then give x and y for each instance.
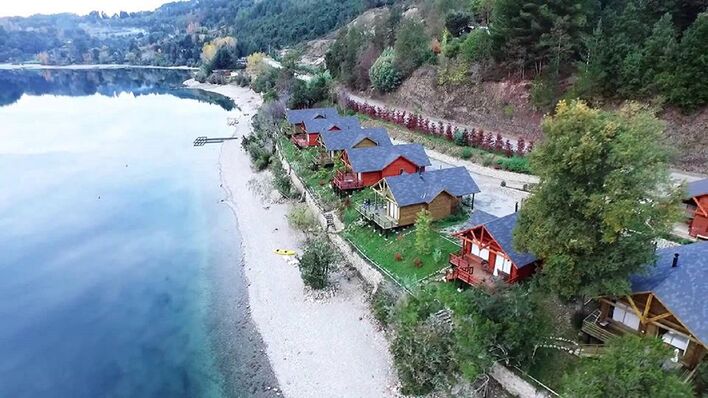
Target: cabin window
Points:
(401, 171)
(502, 264)
(484, 254)
(475, 249)
(676, 339)
(624, 315)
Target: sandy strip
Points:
(317, 348)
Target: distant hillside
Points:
(174, 34)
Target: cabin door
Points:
(392, 210)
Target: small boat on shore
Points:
(284, 252)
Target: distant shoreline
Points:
(89, 67)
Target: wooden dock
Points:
(203, 140)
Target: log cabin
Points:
(697, 208)
(488, 254)
(667, 301)
(364, 167)
(309, 135)
(400, 198)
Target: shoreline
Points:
(89, 67)
(316, 347)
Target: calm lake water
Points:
(120, 270)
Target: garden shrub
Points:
(477, 46)
(515, 164)
(316, 262)
(301, 217)
(466, 153)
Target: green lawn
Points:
(382, 250)
(378, 248)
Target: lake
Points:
(120, 267)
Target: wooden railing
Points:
(300, 140)
(376, 214)
(591, 327)
(463, 268)
(347, 181)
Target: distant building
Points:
(697, 208)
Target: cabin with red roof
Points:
(364, 167)
(697, 208)
(487, 254)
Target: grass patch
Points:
(397, 254)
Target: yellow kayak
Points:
(284, 252)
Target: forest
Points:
(174, 34)
(627, 49)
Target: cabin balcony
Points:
(601, 329)
(376, 213)
(300, 140)
(346, 181)
(472, 270)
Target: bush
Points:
(437, 255)
(383, 304)
(316, 262)
(460, 137)
(477, 47)
(423, 357)
(281, 181)
(466, 153)
(452, 48)
(383, 74)
(515, 164)
(301, 217)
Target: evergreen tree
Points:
(412, 47)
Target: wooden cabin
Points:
(309, 135)
(400, 198)
(365, 167)
(668, 302)
(487, 254)
(297, 117)
(697, 208)
(336, 142)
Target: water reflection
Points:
(108, 82)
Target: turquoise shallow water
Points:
(119, 265)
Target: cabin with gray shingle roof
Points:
(668, 300)
(312, 128)
(335, 142)
(696, 202)
(299, 116)
(367, 166)
(488, 254)
(402, 197)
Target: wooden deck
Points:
(376, 213)
(300, 140)
(347, 181)
(599, 330)
(471, 270)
